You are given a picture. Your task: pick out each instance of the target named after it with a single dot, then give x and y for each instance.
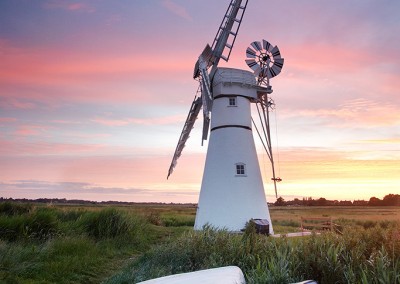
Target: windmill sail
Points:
(190, 120)
(209, 58)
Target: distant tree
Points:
(321, 202)
(373, 201)
(360, 202)
(280, 201)
(308, 201)
(295, 201)
(391, 200)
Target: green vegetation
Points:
(53, 245)
(358, 256)
(91, 243)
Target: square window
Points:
(232, 101)
(240, 169)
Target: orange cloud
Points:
(361, 112)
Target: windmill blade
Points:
(250, 53)
(206, 127)
(279, 62)
(252, 64)
(276, 53)
(256, 45)
(188, 126)
(267, 45)
(268, 72)
(206, 97)
(228, 30)
(275, 70)
(206, 57)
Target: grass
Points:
(358, 256)
(93, 244)
(54, 245)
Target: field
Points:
(64, 243)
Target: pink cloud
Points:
(30, 130)
(15, 103)
(7, 119)
(55, 67)
(19, 147)
(127, 171)
(69, 6)
(176, 9)
(86, 77)
(140, 121)
(361, 112)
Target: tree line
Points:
(388, 200)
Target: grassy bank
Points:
(358, 256)
(53, 245)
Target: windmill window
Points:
(240, 169)
(232, 101)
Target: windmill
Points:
(232, 190)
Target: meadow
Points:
(64, 243)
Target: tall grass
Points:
(49, 245)
(40, 224)
(360, 255)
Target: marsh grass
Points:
(358, 256)
(49, 245)
(92, 243)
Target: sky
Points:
(94, 95)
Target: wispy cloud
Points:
(73, 6)
(7, 119)
(140, 121)
(358, 112)
(16, 103)
(176, 9)
(82, 190)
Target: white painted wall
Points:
(226, 199)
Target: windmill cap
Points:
(230, 81)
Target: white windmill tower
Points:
(232, 190)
